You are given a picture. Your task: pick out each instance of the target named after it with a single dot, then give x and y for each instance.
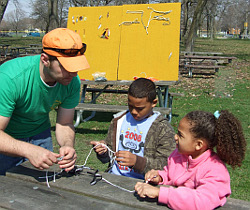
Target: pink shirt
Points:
(201, 183)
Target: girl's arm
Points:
(212, 189)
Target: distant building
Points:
(234, 31)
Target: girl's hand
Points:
(153, 177)
(144, 190)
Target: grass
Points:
(20, 41)
(229, 89)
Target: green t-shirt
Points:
(27, 100)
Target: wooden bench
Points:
(81, 107)
(164, 97)
(113, 108)
(191, 67)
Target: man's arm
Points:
(65, 135)
(38, 156)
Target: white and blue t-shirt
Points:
(132, 135)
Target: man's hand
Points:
(68, 155)
(100, 149)
(144, 190)
(125, 158)
(41, 158)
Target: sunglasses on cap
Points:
(69, 52)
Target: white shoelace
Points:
(110, 153)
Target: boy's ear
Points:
(45, 59)
(154, 103)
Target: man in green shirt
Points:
(32, 86)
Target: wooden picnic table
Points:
(25, 187)
(34, 50)
(200, 53)
(35, 45)
(203, 61)
(164, 98)
(203, 58)
(4, 49)
(17, 51)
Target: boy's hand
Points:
(144, 190)
(153, 177)
(125, 158)
(100, 149)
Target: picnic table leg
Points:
(159, 93)
(79, 117)
(170, 106)
(94, 97)
(163, 102)
(190, 73)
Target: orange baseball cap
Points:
(67, 46)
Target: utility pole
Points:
(245, 33)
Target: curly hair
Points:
(224, 133)
(141, 88)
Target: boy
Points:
(142, 139)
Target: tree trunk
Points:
(53, 15)
(189, 44)
(212, 23)
(185, 18)
(208, 24)
(3, 6)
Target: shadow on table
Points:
(39, 175)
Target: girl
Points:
(196, 175)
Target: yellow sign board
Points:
(129, 41)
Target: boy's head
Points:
(141, 98)
(142, 88)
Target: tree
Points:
(63, 8)
(235, 14)
(40, 13)
(42, 16)
(85, 3)
(189, 42)
(15, 17)
(53, 15)
(3, 6)
(185, 17)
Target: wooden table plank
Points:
(23, 189)
(19, 194)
